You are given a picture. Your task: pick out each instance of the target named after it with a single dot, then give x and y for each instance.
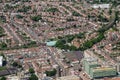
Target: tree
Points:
(72, 48)
(33, 77)
(19, 16)
(52, 10)
(36, 18)
(3, 78)
(15, 64)
(3, 45)
(75, 14)
(31, 70)
(88, 44)
(24, 8)
(51, 73)
(110, 11)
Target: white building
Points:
(103, 6)
(1, 60)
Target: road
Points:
(60, 71)
(12, 33)
(27, 30)
(80, 13)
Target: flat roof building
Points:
(73, 77)
(103, 6)
(90, 63)
(95, 70)
(99, 72)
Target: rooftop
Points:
(103, 68)
(69, 78)
(116, 78)
(91, 60)
(51, 43)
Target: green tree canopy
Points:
(31, 70)
(51, 73)
(3, 78)
(33, 77)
